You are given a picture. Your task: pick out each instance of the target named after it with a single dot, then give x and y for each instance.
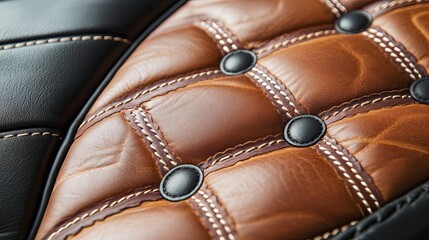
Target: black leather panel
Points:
(46, 85)
(406, 218)
(31, 19)
(24, 162)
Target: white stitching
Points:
(104, 207)
(263, 145)
(334, 9)
(175, 81)
(345, 174)
(393, 4)
(295, 39)
(159, 140)
(398, 55)
(29, 134)
(222, 36)
(262, 80)
(65, 39)
(209, 216)
(339, 5)
(335, 231)
(365, 103)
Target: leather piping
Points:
(366, 104)
(396, 52)
(101, 211)
(358, 181)
(379, 8)
(212, 215)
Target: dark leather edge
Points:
(405, 215)
(69, 136)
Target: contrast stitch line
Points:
(218, 215)
(262, 79)
(151, 140)
(30, 134)
(394, 51)
(224, 38)
(100, 209)
(287, 42)
(335, 231)
(251, 149)
(369, 102)
(333, 7)
(339, 5)
(395, 3)
(347, 176)
(65, 39)
(156, 87)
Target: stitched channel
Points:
(30, 134)
(65, 39)
(342, 154)
(275, 45)
(394, 3)
(153, 136)
(100, 209)
(383, 40)
(226, 40)
(334, 232)
(281, 99)
(336, 7)
(210, 210)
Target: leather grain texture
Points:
(169, 104)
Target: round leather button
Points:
(238, 62)
(420, 90)
(304, 131)
(353, 22)
(181, 182)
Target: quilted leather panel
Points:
(174, 106)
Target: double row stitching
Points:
(394, 51)
(357, 175)
(222, 35)
(369, 102)
(335, 231)
(100, 209)
(264, 80)
(217, 217)
(30, 134)
(248, 150)
(395, 3)
(156, 87)
(65, 39)
(275, 46)
(151, 140)
(336, 7)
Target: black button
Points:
(304, 131)
(238, 62)
(353, 22)
(181, 182)
(420, 90)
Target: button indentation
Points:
(238, 62)
(420, 90)
(181, 182)
(353, 22)
(304, 130)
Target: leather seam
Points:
(393, 4)
(65, 39)
(334, 232)
(226, 41)
(335, 6)
(31, 134)
(393, 49)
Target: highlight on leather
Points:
(172, 103)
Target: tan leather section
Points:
(410, 26)
(167, 55)
(256, 20)
(393, 151)
(294, 191)
(214, 115)
(328, 71)
(355, 4)
(109, 159)
(151, 220)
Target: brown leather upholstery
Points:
(170, 104)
